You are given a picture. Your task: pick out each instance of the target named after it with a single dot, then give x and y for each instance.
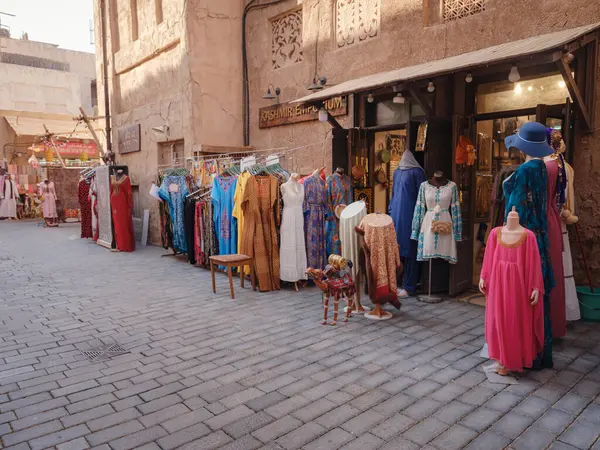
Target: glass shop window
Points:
(383, 111)
(528, 92)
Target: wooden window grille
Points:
(459, 9)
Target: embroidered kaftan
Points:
(225, 224)
(173, 190)
(315, 210)
(525, 189)
(514, 329)
(339, 192)
(430, 244)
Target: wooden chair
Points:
(230, 261)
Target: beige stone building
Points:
(389, 67)
(41, 83)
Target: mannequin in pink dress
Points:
(511, 279)
(557, 295)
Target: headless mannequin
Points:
(438, 180)
(340, 170)
(511, 233)
(291, 184)
(119, 174)
(317, 172)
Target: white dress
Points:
(571, 299)
(351, 217)
(293, 249)
(441, 204)
(8, 204)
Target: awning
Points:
(495, 54)
(33, 126)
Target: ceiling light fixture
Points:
(469, 78)
(514, 75)
(562, 84)
(430, 86)
(370, 98)
(323, 115)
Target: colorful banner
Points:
(75, 150)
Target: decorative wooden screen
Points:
(287, 39)
(458, 9)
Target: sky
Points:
(62, 22)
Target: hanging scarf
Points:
(408, 161)
(556, 142)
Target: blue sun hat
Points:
(531, 139)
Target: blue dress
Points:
(225, 223)
(526, 189)
(175, 198)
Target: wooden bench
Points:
(230, 261)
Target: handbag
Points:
(441, 227)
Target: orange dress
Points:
(261, 213)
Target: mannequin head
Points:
(438, 174)
(46, 180)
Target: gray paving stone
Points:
(113, 419)
(555, 420)
(425, 431)
(263, 402)
(580, 434)
(488, 441)
(331, 440)
(287, 406)
(512, 424)
(401, 443)
(363, 422)
(422, 409)
(392, 427)
(369, 399)
(454, 438)
(164, 415)
(276, 429)
(591, 414)
(301, 436)
(59, 437)
(75, 444)
(31, 433)
(572, 403)
(394, 404)
(453, 412)
(186, 420)
(244, 443)
(138, 439)
(248, 424)
(503, 402)
(587, 388)
(183, 436)
(90, 403)
(110, 434)
(365, 442)
(534, 439)
(159, 403)
(422, 388)
(557, 445)
(481, 419)
(38, 418)
(477, 396)
(533, 407)
(241, 397)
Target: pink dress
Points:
(49, 205)
(558, 308)
(514, 330)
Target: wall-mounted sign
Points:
(286, 113)
(70, 149)
(129, 139)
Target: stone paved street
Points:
(206, 372)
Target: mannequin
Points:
(511, 279)
(49, 207)
(408, 178)
(339, 192)
(8, 199)
(437, 222)
(85, 208)
(526, 191)
(293, 250)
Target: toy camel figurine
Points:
(335, 281)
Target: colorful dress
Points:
(293, 249)
(557, 295)
(173, 190)
(85, 206)
(225, 223)
(315, 207)
(238, 213)
(525, 189)
(339, 192)
(121, 204)
(260, 206)
(440, 204)
(514, 329)
(8, 202)
(407, 183)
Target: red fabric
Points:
(121, 203)
(86, 209)
(514, 329)
(558, 309)
(336, 285)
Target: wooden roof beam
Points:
(565, 71)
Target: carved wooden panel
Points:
(356, 20)
(287, 39)
(457, 9)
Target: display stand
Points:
(429, 298)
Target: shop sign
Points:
(129, 139)
(77, 149)
(287, 113)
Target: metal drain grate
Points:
(104, 352)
